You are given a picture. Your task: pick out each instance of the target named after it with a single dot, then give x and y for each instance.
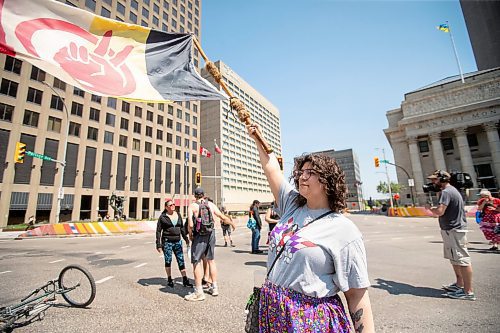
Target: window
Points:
(90, 4)
(144, 23)
(170, 110)
(56, 103)
(187, 117)
(174, 11)
(125, 107)
(447, 144)
(145, 13)
(170, 123)
(165, 4)
(195, 108)
(37, 74)
(9, 88)
(194, 145)
(186, 143)
(183, 9)
(159, 120)
(112, 102)
(30, 118)
(159, 134)
(187, 130)
(182, 19)
(78, 92)
(108, 137)
(133, 17)
(149, 116)
(13, 65)
(178, 127)
(134, 4)
(194, 159)
(156, 8)
(54, 124)
(122, 142)
(149, 131)
(136, 144)
(92, 133)
(179, 114)
(178, 140)
(110, 119)
(137, 127)
(168, 152)
(34, 96)
(74, 129)
(161, 107)
(6, 112)
(169, 137)
(472, 140)
(159, 150)
(164, 27)
(156, 21)
(177, 154)
(174, 24)
(195, 132)
(120, 8)
(59, 84)
(109, 2)
(105, 12)
(138, 111)
(94, 114)
(124, 123)
(77, 109)
(95, 98)
(147, 147)
(423, 146)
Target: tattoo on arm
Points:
(356, 318)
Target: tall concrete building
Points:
(449, 125)
(135, 150)
(242, 178)
(349, 162)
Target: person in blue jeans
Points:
(254, 212)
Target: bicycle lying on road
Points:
(75, 284)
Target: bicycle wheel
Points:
(78, 286)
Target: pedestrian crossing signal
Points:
(20, 152)
(377, 162)
(198, 178)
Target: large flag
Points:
(100, 55)
(217, 149)
(205, 152)
(444, 27)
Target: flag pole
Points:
(455, 51)
(234, 102)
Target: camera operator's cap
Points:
(199, 191)
(485, 193)
(439, 174)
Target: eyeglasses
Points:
(305, 173)
(172, 204)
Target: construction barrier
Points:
(470, 211)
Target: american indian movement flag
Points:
(100, 55)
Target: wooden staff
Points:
(234, 102)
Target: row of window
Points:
(447, 143)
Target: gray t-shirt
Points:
(323, 258)
(454, 215)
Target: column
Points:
(417, 169)
(437, 151)
(491, 130)
(465, 155)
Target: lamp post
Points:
(388, 180)
(62, 162)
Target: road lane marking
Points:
(5, 272)
(124, 247)
(53, 262)
(140, 265)
(105, 279)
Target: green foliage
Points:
(395, 187)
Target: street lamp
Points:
(62, 162)
(387, 174)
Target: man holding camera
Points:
(453, 224)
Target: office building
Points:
(133, 150)
(242, 178)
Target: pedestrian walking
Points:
(169, 231)
(315, 252)
(254, 212)
(272, 218)
(453, 224)
(226, 228)
(202, 235)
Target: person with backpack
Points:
(202, 234)
(254, 212)
(169, 230)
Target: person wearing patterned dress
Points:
(320, 253)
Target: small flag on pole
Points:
(205, 152)
(100, 55)
(217, 149)
(443, 27)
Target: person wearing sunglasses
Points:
(169, 231)
(314, 253)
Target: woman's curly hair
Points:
(329, 174)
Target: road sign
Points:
(40, 156)
(411, 182)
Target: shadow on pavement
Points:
(399, 288)
(178, 288)
(256, 263)
(483, 251)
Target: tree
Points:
(395, 187)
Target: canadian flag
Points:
(217, 149)
(205, 152)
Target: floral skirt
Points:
(286, 310)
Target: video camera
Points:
(459, 180)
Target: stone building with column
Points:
(452, 126)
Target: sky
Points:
(334, 68)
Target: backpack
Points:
(205, 221)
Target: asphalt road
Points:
(405, 265)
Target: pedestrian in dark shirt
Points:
(254, 212)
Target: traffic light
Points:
(377, 162)
(280, 162)
(198, 178)
(20, 152)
